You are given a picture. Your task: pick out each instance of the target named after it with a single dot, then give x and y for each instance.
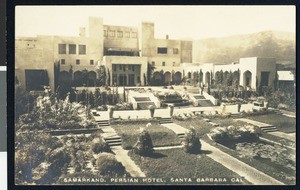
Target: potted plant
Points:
(171, 107)
(151, 109)
(110, 111)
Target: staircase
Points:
(102, 123)
(113, 140)
(165, 120)
(205, 103)
(181, 136)
(268, 129)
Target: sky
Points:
(179, 22)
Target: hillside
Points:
(280, 45)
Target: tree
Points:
(191, 142)
(108, 78)
(56, 74)
(150, 69)
(144, 145)
(102, 75)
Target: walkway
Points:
(251, 174)
(131, 167)
(176, 128)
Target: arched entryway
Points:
(247, 76)
(177, 77)
(78, 78)
(167, 77)
(157, 79)
(92, 76)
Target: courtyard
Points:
(238, 144)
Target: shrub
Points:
(144, 145)
(58, 157)
(108, 165)
(100, 146)
(191, 142)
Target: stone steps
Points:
(113, 141)
(102, 123)
(181, 136)
(165, 120)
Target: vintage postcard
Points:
(155, 95)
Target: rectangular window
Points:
(62, 61)
(111, 33)
(163, 63)
(123, 67)
(175, 51)
(72, 48)
(114, 67)
(77, 61)
(82, 49)
(62, 48)
(173, 64)
(120, 67)
(127, 34)
(105, 33)
(132, 67)
(153, 63)
(91, 62)
(120, 34)
(162, 50)
(134, 35)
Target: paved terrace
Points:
(164, 112)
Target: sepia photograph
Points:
(155, 95)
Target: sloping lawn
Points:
(202, 127)
(175, 163)
(283, 123)
(160, 135)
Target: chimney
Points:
(167, 37)
(82, 32)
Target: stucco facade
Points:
(118, 49)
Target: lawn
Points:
(175, 163)
(160, 135)
(202, 127)
(283, 123)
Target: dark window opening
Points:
(62, 61)
(91, 62)
(82, 49)
(163, 63)
(36, 79)
(62, 48)
(72, 49)
(161, 50)
(77, 62)
(265, 78)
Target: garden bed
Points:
(261, 163)
(175, 163)
(160, 135)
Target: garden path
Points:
(176, 128)
(167, 147)
(128, 163)
(251, 174)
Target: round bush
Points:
(100, 146)
(144, 145)
(191, 142)
(108, 165)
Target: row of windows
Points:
(123, 67)
(164, 50)
(63, 62)
(120, 34)
(62, 49)
(163, 63)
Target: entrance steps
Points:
(113, 140)
(165, 120)
(102, 123)
(181, 136)
(263, 126)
